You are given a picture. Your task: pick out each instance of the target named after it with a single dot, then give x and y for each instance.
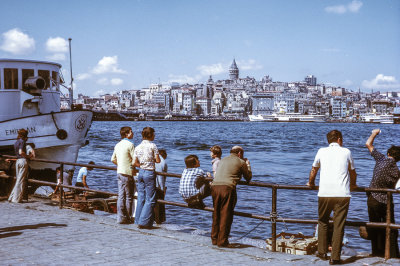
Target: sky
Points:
(123, 45)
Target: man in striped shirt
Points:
(193, 186)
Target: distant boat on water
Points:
(378, 119)
(287, 117)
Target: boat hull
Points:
(57, 136)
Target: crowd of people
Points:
(337, 179)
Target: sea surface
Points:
(278, 152)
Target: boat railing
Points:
(273, 217)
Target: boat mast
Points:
(71, 89)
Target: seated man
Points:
(193, 186)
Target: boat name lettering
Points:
(15, 131)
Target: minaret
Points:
(233, 71)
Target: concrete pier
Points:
(39, 233)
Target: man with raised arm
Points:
(385, 175)
(223, 191)
(337, 178)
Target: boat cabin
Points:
(28, 88)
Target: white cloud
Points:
(382, 82)
(250, 64)
(353, 7)
(347, 83)
(215, 69)
(182, 79)
(103, 81)
(17, 42)
(57, 45)
(116, 81)
(56, 57)
(108, 64)
(83, 76)
(99, 92)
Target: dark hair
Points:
(163, 153)
(22, 133)
(147, 133)
(191, 161)
(31, 144)
(216, 150)
(394, 152)
(334, 136)
(236, 149)
(90, 168)
(124, 131)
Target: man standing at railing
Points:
(337, 178)
(21, 167)
(385, 175)
(123, 158)
(223, 191)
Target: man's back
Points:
(230, 170)
(334, 162)
(123, 156)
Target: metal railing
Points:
(273, 217)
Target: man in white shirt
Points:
(123, 158)
(337, 178)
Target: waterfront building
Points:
(339, 109)
(262, 104)
(203, 106)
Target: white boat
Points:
(379, 119)
(30, 99)
(287, 117)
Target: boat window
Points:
(11, 78)
(26, 73)
(45, 74)
(54, 78)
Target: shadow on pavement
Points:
(29, 226)
(10, 234)
(238, 245)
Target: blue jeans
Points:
(146, 200)
(126, 187)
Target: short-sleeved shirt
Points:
(215, 163)
(187, 186)
(334, 162)
(385, 175)
(146, 153)
(82, 172)
(123, 156)
(20, 144)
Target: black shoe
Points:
(334, 262)
(322, 256)
(145, 227)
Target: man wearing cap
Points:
(223, 191)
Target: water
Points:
(279, 153)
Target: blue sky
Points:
(130, 44)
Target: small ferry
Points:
(287, 117)
(378, 119)
(30, 98)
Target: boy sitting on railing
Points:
(193, 186)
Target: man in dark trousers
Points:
(223, 191)
(337, 177)
(385, 175)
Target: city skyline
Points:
(125, 45)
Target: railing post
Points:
(273, 218)
(61, 182)
(388, 221)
